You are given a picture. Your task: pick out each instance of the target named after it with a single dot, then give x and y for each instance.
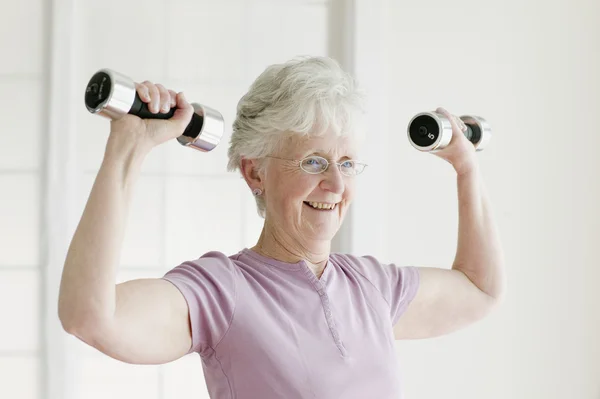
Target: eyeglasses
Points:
(315, 164)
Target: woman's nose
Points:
(333, 180)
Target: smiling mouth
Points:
(320, 206)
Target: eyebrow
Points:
(324, 154)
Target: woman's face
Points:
(309, 206)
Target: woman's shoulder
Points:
(217, 259)
(383, 275)
(213, 262)
(357, 261)
(370, 266)
(366, 265)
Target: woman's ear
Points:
(249, 168)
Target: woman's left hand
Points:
(460, 152)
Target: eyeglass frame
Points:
(338, 164)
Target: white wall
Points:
(22, 27)
(531, 69)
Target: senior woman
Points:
(286, 318)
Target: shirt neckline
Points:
(300, 265)
(275, 262)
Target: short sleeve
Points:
(403, 287)
(397, 284)
(208, 285)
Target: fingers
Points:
(457, 123)
(165, 99)
(158, 98)
(461, 124)
(154, 96)
(173, 96)
(143, 92)
(184, 110)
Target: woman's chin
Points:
(321, 230)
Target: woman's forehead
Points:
(330, 145)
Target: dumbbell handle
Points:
(140, 109)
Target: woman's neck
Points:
(277, 245)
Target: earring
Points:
(257, 191)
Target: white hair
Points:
(308, 96)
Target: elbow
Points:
(87, 330)
(500, 297)
(488, 303)
(70, 317)
(492, 285)
(84, 325)
(66, 316)
(78, 326)
(493, 303)
(499, 294)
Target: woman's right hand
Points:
(136, 134)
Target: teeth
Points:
(320, 205)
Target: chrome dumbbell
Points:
(113, 95)
(432, 131)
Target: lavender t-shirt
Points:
(266, 329)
